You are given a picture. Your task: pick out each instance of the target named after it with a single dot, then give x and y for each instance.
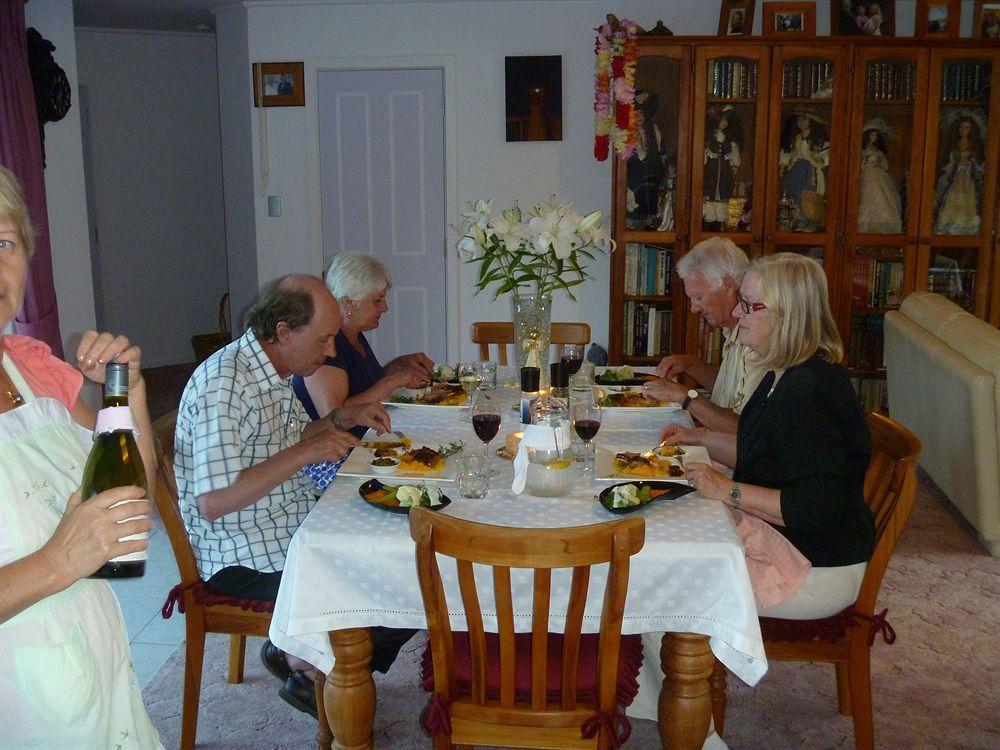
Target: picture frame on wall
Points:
(279, 84)
(533, 88)
(872, 18)
(986, 20)
(938, 19)
(736, 17)
(786, 20)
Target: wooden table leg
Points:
(685, 703)
(324, 737)
(349, 694)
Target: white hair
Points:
(353, 276)
(715, 259)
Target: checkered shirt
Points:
(236, 412)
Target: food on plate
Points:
(445, 373)
(646, 465)
(628, 495)
(384, 462)
(624, 375)
(670, 450)
(384, 465)
(405, 495)
(628, 400)
(386, 447)
(439, 394)
(509, 449)
(422, 459)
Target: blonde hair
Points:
(353, 276)
(14, 209)
(794, 289)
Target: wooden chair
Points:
(501, 334)
(529, 689)
(890, 490)
(204, 612)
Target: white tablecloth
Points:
(352, 565)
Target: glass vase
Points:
(532, 331)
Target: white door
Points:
(382, 180)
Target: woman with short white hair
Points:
(360, 283)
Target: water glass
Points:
(473, 475)
(581, 382)
(489, 370)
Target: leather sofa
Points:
(943, 372)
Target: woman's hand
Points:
(420, 364)
(88, 533)
(97, 349)
(709, 481)
(676, 434)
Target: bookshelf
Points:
(879, 208)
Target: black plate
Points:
(676, 490)
(641, 380)
(373, 484)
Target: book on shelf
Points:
(965, 80)
(891, 81)
(648, 269)
(873, 395)
(957, 284)
(866, 342)
(807, 80)
(876, 282)
(732, 79)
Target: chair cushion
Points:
(207, 597)
(629, 661)
(828, 629)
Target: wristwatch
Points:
(734, 496)
(691, 396)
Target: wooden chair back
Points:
(501, 334)
(165, 499)
(541, 722)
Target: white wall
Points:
(64, 184)
(156, 156)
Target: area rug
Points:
(937, 687)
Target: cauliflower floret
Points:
(446, 372)
(407, 495)
(624, 496)
(433, 496)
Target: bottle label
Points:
(114, 418)
(131, 556)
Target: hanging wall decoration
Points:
(614, 88)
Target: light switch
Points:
(274, 205)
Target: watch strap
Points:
(686, 403)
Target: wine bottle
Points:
(115, 461)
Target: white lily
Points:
(480, 213)
(509, 230)
(551, 232)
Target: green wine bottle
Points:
(115, 461)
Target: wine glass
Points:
(486, 420)
(572, 358)
(470, 377)
(586, 418)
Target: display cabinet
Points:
(876, 157)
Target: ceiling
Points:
(167, 15)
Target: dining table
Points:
(351, 566)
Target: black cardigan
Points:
(809, 439)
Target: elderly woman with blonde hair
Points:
(66, 676)
(802, 447)
(360, 283)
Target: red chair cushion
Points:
(629, 661)
(828, 629)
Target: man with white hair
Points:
(712, 271)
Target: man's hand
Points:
(328, 445)
(371, 415)
(674, 365)
(664, 389)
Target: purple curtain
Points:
(21, 153)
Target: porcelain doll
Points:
(879, 205)
(958, 196)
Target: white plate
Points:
(417, 392)
(604, 461)
(600, 391)
(357, 465)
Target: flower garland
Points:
(614, 89)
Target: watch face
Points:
(692, 393)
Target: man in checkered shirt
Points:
(242, 439)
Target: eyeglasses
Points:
(748, 306)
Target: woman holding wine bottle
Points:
(66, 678)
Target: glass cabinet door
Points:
(729, 144)
(806, 178)
(960, 177)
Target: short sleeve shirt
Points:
(739, 374)
(236, 411)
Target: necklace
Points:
(10, 393)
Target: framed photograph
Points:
(938, 19)
(854, 18)
(736, 17)
(280, 84)
(986, 20)
(534, 98)
(789, 20)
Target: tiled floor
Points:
(153, 639)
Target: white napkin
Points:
(541, 437)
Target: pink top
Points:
(46, 375)
(776, 567)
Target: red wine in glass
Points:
(572, 363)
(587, 428)
(486, 426)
